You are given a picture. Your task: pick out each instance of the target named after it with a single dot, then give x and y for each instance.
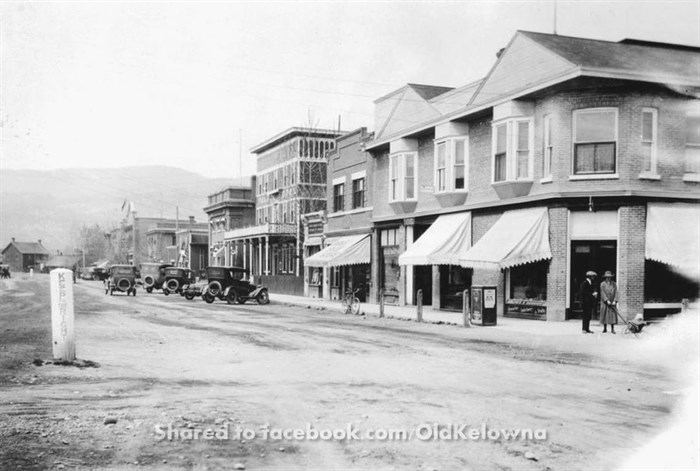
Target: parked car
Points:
(230, 284)
(176, 279)
(153, 275)
(121, 278)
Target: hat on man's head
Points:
(608, 274)
(591, 273)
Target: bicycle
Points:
(350, 302)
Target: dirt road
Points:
(164, 361)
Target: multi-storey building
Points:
(291, 182)
(21, 256)
(344, 261)
(229, 208)
(162, 240)
(570, 155)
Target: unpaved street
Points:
(167, 361)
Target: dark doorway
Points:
(453, 281)
(596, 255)
(423, 279)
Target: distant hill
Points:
(52, 205)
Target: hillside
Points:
(52, 205)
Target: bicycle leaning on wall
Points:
(350, 302)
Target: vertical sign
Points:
(489, 298)
(62, 314)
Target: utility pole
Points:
(555, 17)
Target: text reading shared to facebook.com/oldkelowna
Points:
(309, 432)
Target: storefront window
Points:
(392, 270)
(529, 281)
(664, 284)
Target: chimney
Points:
(39, 241)
(13, 239)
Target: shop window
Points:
(402, 176)
(391, 271)
(335, 277)
(451, 165)
(664, 284)
(512, 150)
(358, 193)
(528, 282)
(595, 141)
(649, 140)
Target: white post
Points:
(267, 255)
(62, 314)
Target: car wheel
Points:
(263, 297)
(166, 291)
(189, 296)
(232, 297)
(149, 289)
(208, 298)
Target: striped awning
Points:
(448, 238)
(673, 235)
(346, 250)
(520, 236)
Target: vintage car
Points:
(177, 279)
(153, 275)
(229, 283)
(121, 278)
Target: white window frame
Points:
(688, 175)
(450, 165)
(653, 143)
(593, 175)
(547, 147)
(401, 177)
(512, 148)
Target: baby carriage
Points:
(634, 326)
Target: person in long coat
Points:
(589, 295)
(608, 302)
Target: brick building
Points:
(230, 208)
(291, 182)
(343, 255)
(570, 155)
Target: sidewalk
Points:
(430, 315)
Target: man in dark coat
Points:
(589, 297)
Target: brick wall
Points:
(630, 271)
(556, 276)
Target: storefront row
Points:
(537, 258)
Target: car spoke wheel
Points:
(149, 289)
(232, 297)
(208, 298)
(263, 297)
(189, 296)
(166, 291)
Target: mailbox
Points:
(482, 310)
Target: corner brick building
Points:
(570, 155)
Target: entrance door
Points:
(423, 279)
(596, 255)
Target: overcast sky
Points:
(107, 84)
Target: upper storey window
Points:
(595, 141)
(451, 165)
(649, 140)
(402, 176)
(512, 150)
(692, 143)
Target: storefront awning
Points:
(673, 234)
(346, 250)
(448, 238)
(518, 237)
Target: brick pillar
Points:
(630, 271)
(376, 280)
(556, 275)
(436, 287)
(401, 235)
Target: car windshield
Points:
(238, 275)
(215, 272)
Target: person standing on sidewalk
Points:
(589, 296)
(608, 302)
